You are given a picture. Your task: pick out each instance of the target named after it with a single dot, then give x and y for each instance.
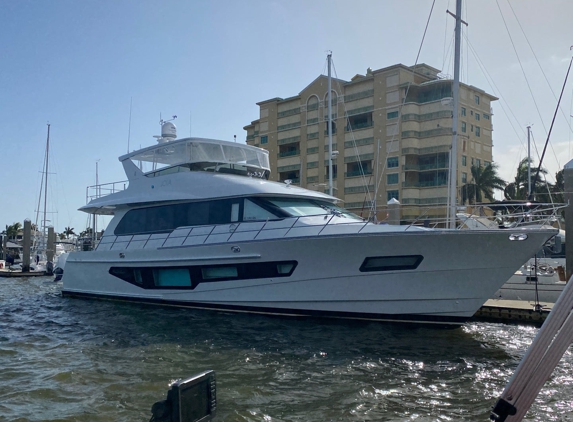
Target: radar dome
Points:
(168, 131)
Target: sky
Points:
(86, 66)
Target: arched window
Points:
(312, 103)
(334, 99)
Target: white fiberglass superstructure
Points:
(200, 225)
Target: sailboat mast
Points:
(46, 183)
(329, 99)
(455, 93)
(528, 161)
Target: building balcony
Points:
(357, 173)
(425, 184)
(425, 167)
(426, 150)
(359, 126)
(441, 131)
(289, 153)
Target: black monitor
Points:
(190, 400)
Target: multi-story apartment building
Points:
(407, 111)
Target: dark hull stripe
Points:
(407, 318)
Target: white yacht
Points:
(542, 277)
(199, 225)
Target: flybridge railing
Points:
(98, 191)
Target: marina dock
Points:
(16, 274)
(498, 310)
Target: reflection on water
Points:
(70, 359)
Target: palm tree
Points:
(484, 181)
(69, 231)
(558, 188)
(87, 232)
(519, 187)
(12, 230)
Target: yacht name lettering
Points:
(166, 182)
(259, 174)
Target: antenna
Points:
(129, 130)
(161, 121)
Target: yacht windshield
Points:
(308, 207)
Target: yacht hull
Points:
(457, 273)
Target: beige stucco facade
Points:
(407, 111)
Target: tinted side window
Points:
(195, 214)
(166, 218)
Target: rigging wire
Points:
(552, 122)
(448, 58)
(546, 80)
(355, 146)
(378, 182)
(445, 53)
(494, 87)
(503, 104)
(467, 59)
(521, 66)
(570, 116)
(537, 60)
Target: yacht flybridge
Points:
(200, 225)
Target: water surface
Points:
(68, 359)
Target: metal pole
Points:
(330, 187)
(568, 197)
(46, 187)
(455, 93)
(528, 161)
(26, 246)
(375, 219)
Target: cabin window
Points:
(391, 263)
(166, 218)
(226, 273)
(303, 207)
(172, 277)
(254, 212)
(189, 277)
